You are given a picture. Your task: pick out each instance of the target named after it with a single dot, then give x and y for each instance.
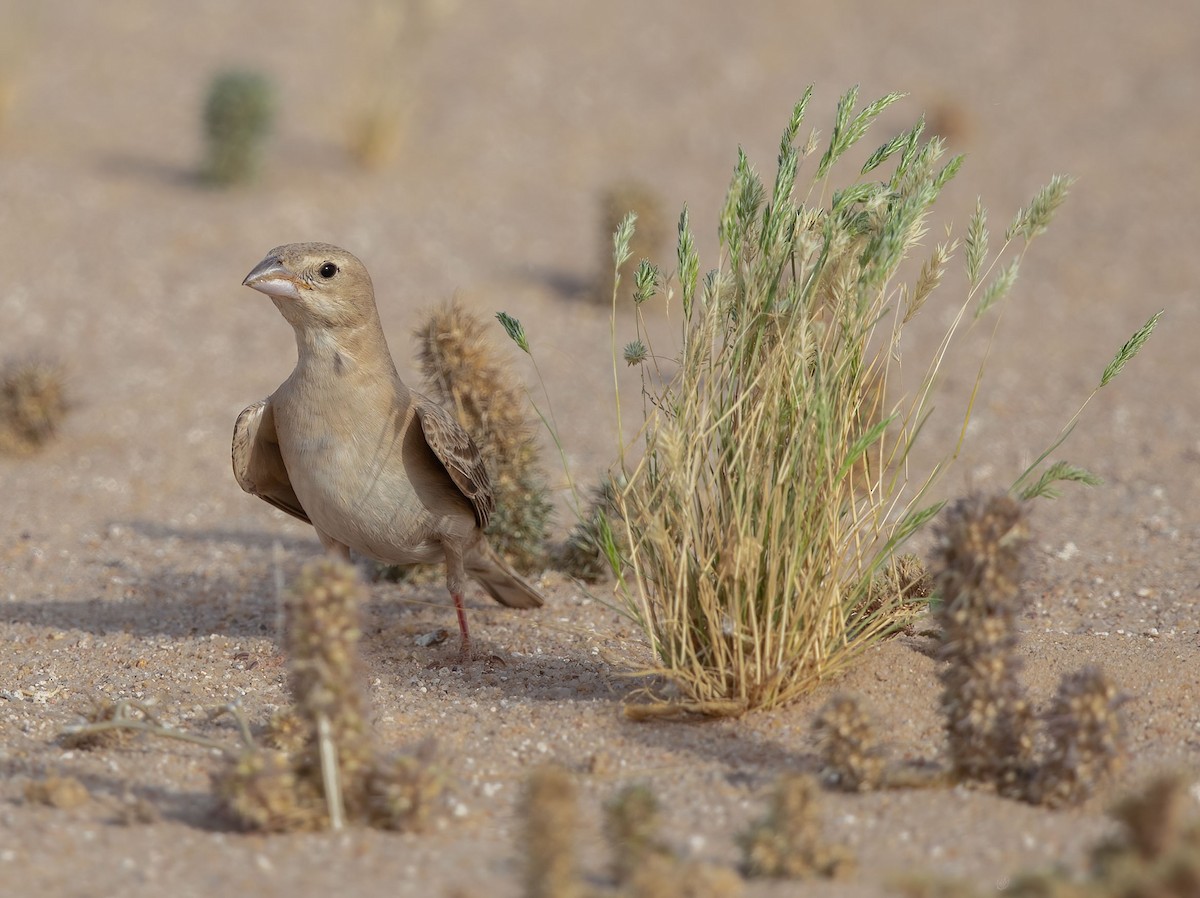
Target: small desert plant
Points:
(385, 92)
(631, 825)
(1084, 732)
(648, 242)
(851, 752)
(788, 841)
(551, 821)
(464, 371)
(33, 404)
(326, 770)
(237, 118)
(989, 721)
(773, 478)
(595, 545)
(1156, 852)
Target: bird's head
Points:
(316, 285)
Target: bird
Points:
(345, 445)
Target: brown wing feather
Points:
(257, 463)
(459, 455)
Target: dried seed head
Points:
(404, 791)
(33, 404)
(788, 841)
(849, 746)
(550, 825)
(631, 825)
(321, 633)
(989, 721)
(262, 790)
(1084, 731)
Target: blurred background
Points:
(467, 148)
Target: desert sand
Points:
(132, 566)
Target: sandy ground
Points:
(132, 566)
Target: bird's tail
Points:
(502, 583)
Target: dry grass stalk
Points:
(464, 371)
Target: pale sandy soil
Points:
(131, 565)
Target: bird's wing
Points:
(460, 457)
(257, 464)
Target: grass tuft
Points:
(772, 481)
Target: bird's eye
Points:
(328, 270)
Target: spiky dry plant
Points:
(551, 822)
(33, 403)
(324, 769)
(631, 825)
(596, 544)
(265, 790)
(404, 790)
(648, 242)
(1084, 732)
(464, 371)
(238, 114)
(766, 490)
(789, 842)
(321, 632)
(851, 752)
(989, 721)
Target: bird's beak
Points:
(270, 276)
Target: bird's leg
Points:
(334, 548)
(454, 583)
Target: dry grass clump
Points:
(331, 772)
(772, 481)
(33, 403)
(653, 231)
(788, 841)
(989, 721)
(464, 371)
